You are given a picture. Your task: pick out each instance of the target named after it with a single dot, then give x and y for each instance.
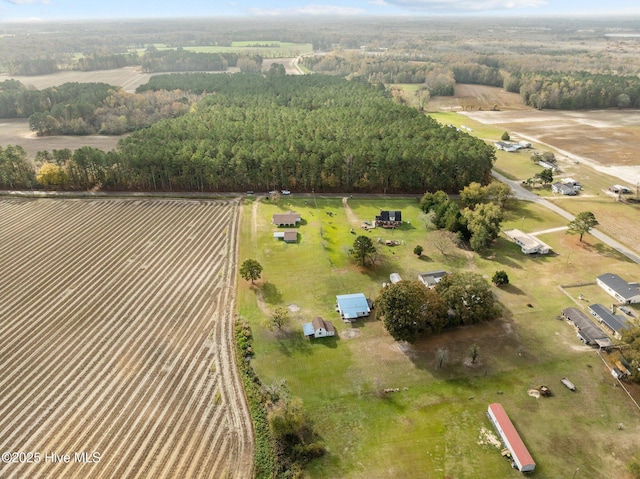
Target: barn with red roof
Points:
(522, 460)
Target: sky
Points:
(44, 10)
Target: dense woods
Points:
(269, 132)
(85, 108)
(300, 133)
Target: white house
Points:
(618, 288)
(563, 189)
(352, 306)
(528, 244)
(319, 328)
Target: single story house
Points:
(613, 323)
(522, 460)
(319, 328)
(547, 166)
(504, 146)
(619, 288)
(563, 189)
(431, 278)
(290, 218)
(572, 183)
(352, 306)
(528, 244)
(288, 236)
(588, 332)
(389, 219)
(394, 278)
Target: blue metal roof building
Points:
(353, 306)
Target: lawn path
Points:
(351, 217)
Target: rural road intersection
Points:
(523, 194)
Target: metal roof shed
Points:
(511, 438)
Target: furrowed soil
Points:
(17, 132)
(116, 318)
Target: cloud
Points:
(307, 10)
(378, 3)
(464, 5)
(28, 2)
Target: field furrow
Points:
(113, 314)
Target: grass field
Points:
(435, 423)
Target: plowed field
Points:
(116, 327)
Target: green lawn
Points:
(433, 424)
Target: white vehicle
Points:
(285, 192)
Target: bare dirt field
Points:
(129, 78)
(474, 97)
(17, 132)
(116, 318)
(607, 140)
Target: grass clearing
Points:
(433, 422)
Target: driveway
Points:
(523, 194)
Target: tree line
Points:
(576, 91)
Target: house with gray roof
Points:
(563, 189)
(588, 332)
(431, 278)
(613, 323)
(619, 288)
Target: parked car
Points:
(285, 192)
(625, 310)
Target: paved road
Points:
(523, 194)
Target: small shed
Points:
(288, 236)
(319, 328)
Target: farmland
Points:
(116, 318)
(435, 422)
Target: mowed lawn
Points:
(433, 426)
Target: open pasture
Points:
(435, 423)
(116, 318)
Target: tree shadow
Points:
(511, 289)
(293, 341)
(270, 293)
(607, 251)
(327, 342)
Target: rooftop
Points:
(619, 285)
